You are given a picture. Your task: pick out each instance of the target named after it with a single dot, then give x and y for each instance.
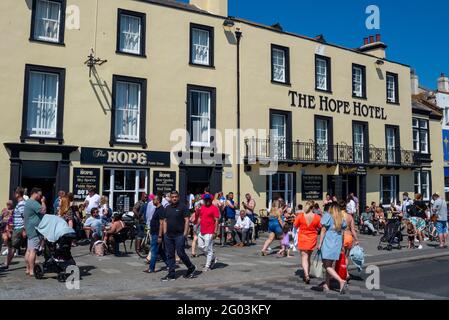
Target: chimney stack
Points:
(374, 46)
(218, 7)
(443, 83)
(414, 82)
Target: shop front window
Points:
(389, 189)
(280, 186)
(123, 187)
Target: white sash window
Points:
(389, 189)
(359, 143)
(200, 46)
(47, 21)
(42, 104)
(322, 140)
(127, 112)
(321, 74)
(130, 34)
(391, 88)
(200, 118)
(357, 79)
(279, 65)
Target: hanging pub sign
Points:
(83, 180)
(312, 188)
(164, 182)
(353, 171)
(326, 104)
(134, 158)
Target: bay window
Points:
(131, 32)
(48, 21)
(201, 45)
(128, 111)
(43, 103)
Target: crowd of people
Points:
(332, 229)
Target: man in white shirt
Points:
(406, 204)
(242, 228)
(351, 207)
(166, 200)
(150, 209)
(190, 200)
(92, 200)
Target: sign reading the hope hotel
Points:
(134, 158)
(327, 104)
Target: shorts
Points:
(16, 239)
(441, 227)
(33, 243)
(420, 224)
(275, 227)
(140, 228)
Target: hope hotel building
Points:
(92, 91)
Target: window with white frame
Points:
(358, 81)
(389, 189)
(322, 76)
(43, 97)
(392, 88)
(48, 21)
(422, 184)
(131, 29)
(322, 139)
(279, 65)
(201, 45)
(127, 111)
(280, 186)
(123, 187)
(200, 118)
(420, 135)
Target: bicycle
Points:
(144, 249)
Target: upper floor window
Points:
(323, 73)
(128, 110)
(48, 21)
(420, 135)
(131, 32)
(280, 64)
(201, 45)
(392, 88)
(358, 81)
(43, 102)
(201, 115)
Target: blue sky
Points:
(416, 32)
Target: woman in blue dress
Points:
(331, 244)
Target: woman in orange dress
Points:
(308, 224)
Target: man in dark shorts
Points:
(176, 228)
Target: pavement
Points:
(241, 274)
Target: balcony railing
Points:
(316, 153)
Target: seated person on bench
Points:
(242, 228)
(367, 220)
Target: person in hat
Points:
(209, 218)
(439, 209)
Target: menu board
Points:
(164, 182)
(312, 188)
(83, 179)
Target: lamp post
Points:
(229, 26)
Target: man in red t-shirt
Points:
(209, 216)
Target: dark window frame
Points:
(286, 51)
(213, 112)
(381, 190)
(397, 140)
(294, 186)
(419, 137)
(363, 68)
(289, 130)
(365, 125)
(328, 73)
(330, 135)
(143, 111)
(211, 31)
(61, 72)
(396, 87)
(60, 41)
(429, 172)
(143, 25)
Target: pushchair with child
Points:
(392, 235)
(57, 239)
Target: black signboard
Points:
(133, 158)
(83, 179)
(312, 188)
(164, 181)
(353, 171)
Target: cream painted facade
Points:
(165, 66)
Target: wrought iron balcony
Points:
(296, 152)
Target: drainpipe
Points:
(238, 35)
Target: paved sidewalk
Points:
(123, 278)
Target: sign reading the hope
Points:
(125, 157)
(327, 104)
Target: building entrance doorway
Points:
(198, 179)
(350, 184)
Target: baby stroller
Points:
(392, 236)
(57, 239)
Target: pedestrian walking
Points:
(275, 225)
(209, 220)
(308, 224)
(331, 245)
(439, 208)
(176, 228)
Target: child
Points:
(411, 232)
(286, 246)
